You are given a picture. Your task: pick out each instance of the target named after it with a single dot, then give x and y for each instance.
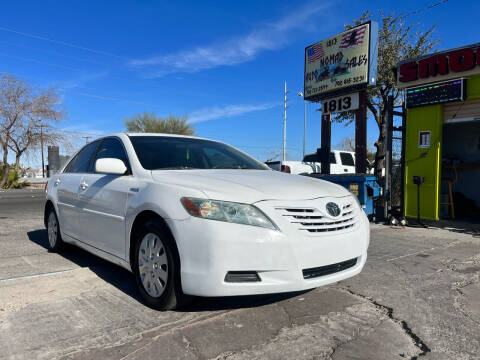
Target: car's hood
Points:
(249, 186)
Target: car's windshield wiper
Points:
(243, 167)
(177, 168)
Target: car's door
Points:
(68, 185)
(103, 201)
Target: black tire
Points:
(172, 296)
(55, 242)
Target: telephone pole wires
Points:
(86, 138)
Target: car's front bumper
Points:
(210, 249)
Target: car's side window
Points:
(347, 159)
(112, 148)
(83, 159)
(68, 168)
(332, 158)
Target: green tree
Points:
(151, 123)
(397, 41)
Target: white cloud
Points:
(217, 112)
(236, 50)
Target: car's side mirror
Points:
(110, 166)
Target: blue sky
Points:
(221, 63)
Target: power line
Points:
(113, 99)
(100, 97)
(95, 51)
(41, 62)
(415, 12)
(52, 53)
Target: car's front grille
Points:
(313, 221)
(328, 269)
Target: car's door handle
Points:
(57, 182)
(83, 186)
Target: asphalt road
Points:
(418, 295)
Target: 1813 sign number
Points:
(340, 104)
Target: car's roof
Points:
(158, 134)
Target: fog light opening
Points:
(242, 276)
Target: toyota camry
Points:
(191, 216)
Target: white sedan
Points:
(191, 216)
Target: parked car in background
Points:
(191, 216)
(341, 162)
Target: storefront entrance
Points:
(460, 172)
(442, 135)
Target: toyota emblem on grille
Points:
(332, 209)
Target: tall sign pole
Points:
(326, 142)
(361, 134)
(284, 151)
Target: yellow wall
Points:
(423, 162)
(427, 162)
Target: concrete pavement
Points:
(417, 296)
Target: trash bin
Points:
(365, 186)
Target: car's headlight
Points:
(355, 197)
(227, 211)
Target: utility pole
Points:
(86, 138)
(284, 152)
(41, 146)
(302, 95)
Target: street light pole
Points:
(284, 152)
(299, 93)
(41, 146)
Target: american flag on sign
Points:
(354, 37)
(315, 52)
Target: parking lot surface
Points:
(418, 296)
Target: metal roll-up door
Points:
(468, 110)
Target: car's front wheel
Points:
(156, 267)
(55, 242)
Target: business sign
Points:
(439, 66)
(436, 93)
(342, 63)
(340, 104)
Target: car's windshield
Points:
(165, 152)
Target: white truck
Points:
(341, 162)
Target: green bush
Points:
(13, 180)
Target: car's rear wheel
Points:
(55, 242)
(156, 267)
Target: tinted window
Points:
(83, 159)
(70, 165)
(310, 158)
(347, 159)
(112, 148)
(314, 158)
(332, 158)
(159, 152)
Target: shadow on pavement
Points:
(124, 281)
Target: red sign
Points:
(441, 66)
